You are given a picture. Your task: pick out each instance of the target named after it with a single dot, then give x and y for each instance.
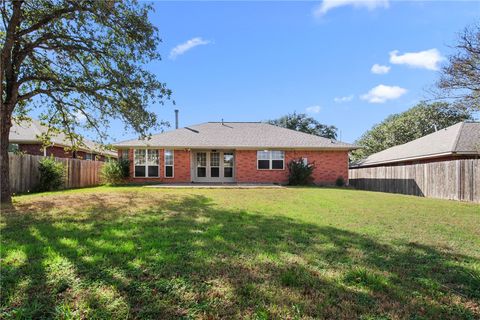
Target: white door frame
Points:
(209, 178)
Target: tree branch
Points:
(56, 14)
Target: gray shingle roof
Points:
(27, 132)
(236, 135)
(461, 138)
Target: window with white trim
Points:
(124, 154)
(169, 158)
(270, 160)
(214, 164)
(228, 164)
(201, 164)
(146, 163)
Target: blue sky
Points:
(252, 61)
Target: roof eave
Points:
(434, 155)
(348, 148)
(111, 153)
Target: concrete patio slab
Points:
(216, 186)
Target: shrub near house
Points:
(300, 172)
(115, 172)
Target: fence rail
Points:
(455, 180)
(24, 174)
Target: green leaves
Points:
(115, 172)
(300, 172)
(51, 174)
(84, 57)
(303, 123)
(412, 124)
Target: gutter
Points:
(430, 156)
(239, 148)
(113, 153)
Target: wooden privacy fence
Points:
(24, 173)
(455, 180)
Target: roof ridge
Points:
(35, 125)
(457, 138)
(232, 122)
(308, 134)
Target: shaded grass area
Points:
(258, 254)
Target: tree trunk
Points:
(5, 192)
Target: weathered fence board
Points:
(24, 174)
(456, 179)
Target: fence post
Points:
(451, 179)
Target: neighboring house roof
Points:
(236, 135)
(462, 138)
(28, 132)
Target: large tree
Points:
(302, 122)
(460, 78)
(409, 125)
(76, 59)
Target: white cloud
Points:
(313, 109)
(379, 69)
(343, 99)
(328, 5)
(80, 116)
(382, 93)
(188, 45)
(428, 59)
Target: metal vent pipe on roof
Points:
(176, 118)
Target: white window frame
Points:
(222, 159)
(270, 159)
(88, 156)
(218, 165)
(170, 165)
(122, 154)
(197, 164)
(146, 165)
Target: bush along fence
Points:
(454, 180)
(24, 172)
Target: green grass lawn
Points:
(148, 253)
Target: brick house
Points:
(460, 141)
(24, 137)
(242, 152)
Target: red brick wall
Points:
(56, 151)
(329, 166)
(181, 167)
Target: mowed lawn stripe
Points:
(133, 252)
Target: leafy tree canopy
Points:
(82, 62)
(304, 123)
(412, 124)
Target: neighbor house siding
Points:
(56, 151)
(329, 166)
(420, 161)
(181, 167)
